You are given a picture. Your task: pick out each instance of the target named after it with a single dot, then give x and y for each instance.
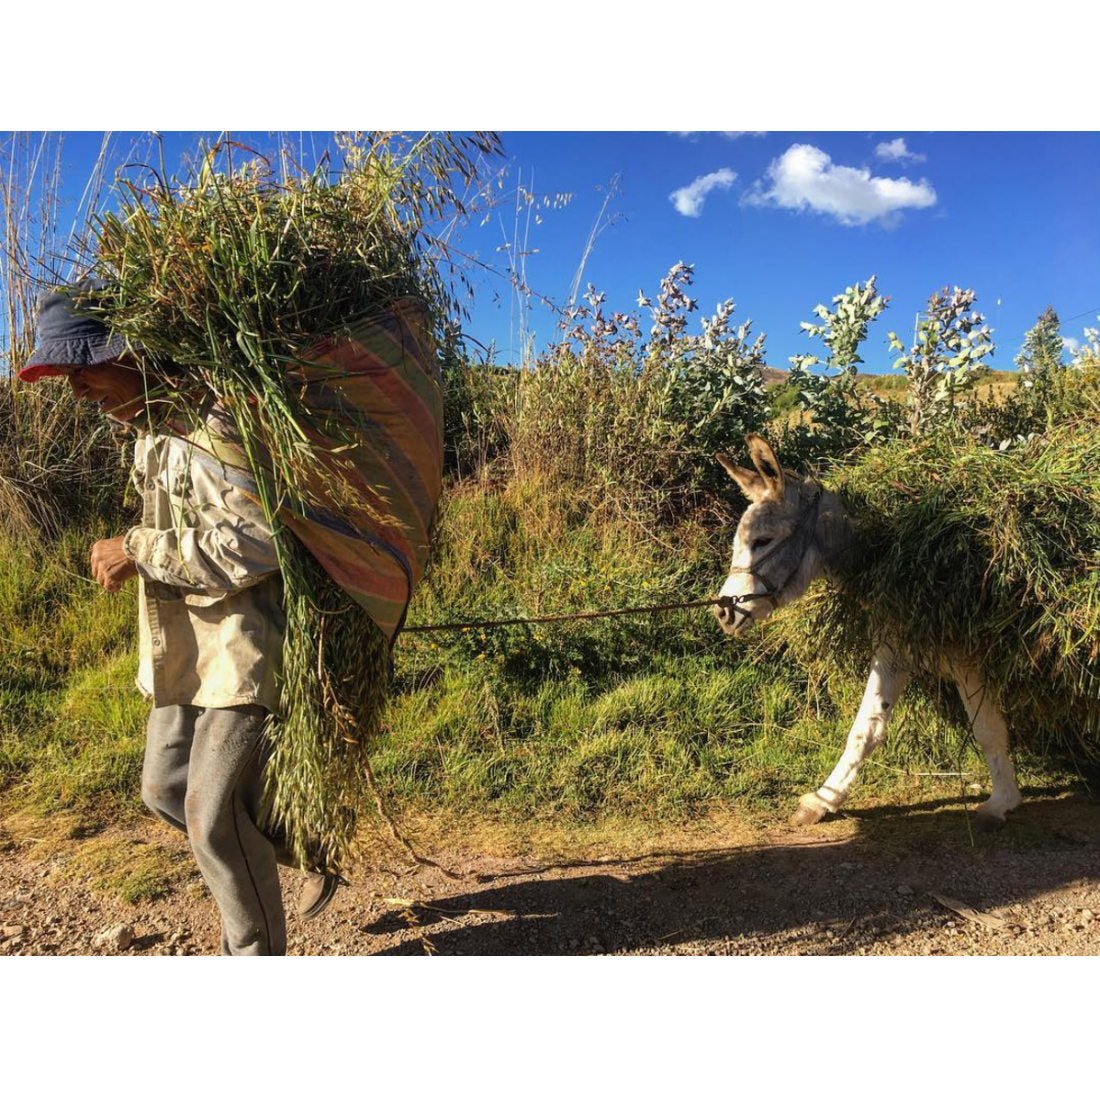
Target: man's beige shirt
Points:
(211, 620)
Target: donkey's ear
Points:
(752, 484)
(763, 458)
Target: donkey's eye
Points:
(759, 544)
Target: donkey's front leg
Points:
(991, 733)
(889, 675)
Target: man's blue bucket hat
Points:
(68, 338)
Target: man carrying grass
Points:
(211, 624)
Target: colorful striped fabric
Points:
(378, 379)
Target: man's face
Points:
(116, 387)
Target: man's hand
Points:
(110, 566)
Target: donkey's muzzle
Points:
(727, 612)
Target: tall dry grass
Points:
(59, 463)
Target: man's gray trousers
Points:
(204, 774)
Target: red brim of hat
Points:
(40, 370)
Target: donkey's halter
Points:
(804, 532)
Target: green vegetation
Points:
(71, 720)
(629, 420)
(1042, 352)
(836, 414)
(945, 361)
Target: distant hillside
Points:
(892, 380)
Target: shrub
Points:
(631, 422)
(945, 361)
(837, 414)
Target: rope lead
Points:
(729, 602)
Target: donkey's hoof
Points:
(989, 821)
(808, 815)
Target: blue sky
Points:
(1015, 216)
(781, 221)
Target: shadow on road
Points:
(797, 888)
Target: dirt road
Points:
(882, 880)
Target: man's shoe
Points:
(317, 893)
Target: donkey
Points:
(793, 532)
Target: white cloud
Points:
(896, 150)
(805, 178)
(1071, 344)
(689, 200)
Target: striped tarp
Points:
(379, 380)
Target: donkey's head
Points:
(775, 554)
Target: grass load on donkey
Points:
(943, 558)
(296, 316)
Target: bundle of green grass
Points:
(995, 554)
(223, 280)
